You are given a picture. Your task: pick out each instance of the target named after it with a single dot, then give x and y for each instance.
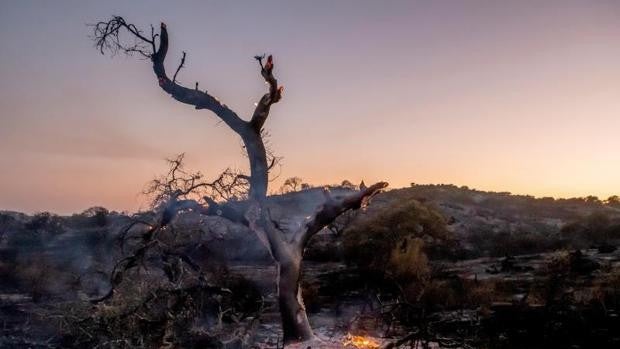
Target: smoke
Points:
(73, 256)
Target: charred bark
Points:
(295, 324)
(257, 154)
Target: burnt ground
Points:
(341, 303)
(516, 314)
(517, 281)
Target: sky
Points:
(518, 96)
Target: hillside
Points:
(468, 251)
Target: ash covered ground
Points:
(439, 266)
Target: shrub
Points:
(408, 261)
(393, 236)
(596, 228)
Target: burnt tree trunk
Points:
(295, 324)
(259, 177)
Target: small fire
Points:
(360, 342)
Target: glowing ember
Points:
(360, 342)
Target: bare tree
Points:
(291, 184)
(286, 247)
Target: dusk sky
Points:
(519, 96)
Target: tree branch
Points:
(181, 65)
(169, 211)
(266, 230)
(331, 209)
(195, 97)
(234, 211)
(273, 96)
(107, 36)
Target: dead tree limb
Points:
(331, 209)
(273, 96)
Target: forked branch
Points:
(199, 99)
(108, 37)
(331, 209)
(273, 96)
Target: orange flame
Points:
(360, 342)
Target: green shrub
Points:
(408, 261)
(393, 236)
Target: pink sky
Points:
(512, 96)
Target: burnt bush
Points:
(454, 293)
(155, 314)
(596, 229)
(497, 244)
